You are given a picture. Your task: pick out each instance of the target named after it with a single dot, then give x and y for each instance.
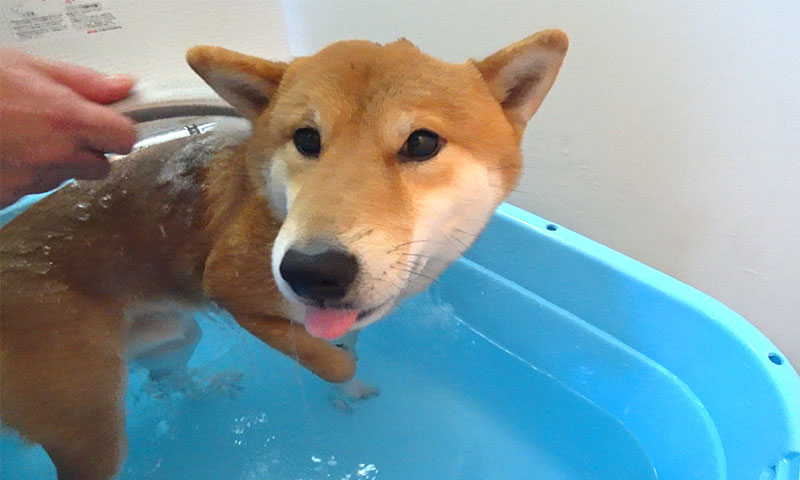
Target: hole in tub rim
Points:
(775, 358)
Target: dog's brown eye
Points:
(307, 142)
(421, 145)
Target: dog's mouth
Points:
(330, 323)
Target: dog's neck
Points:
(244, 227)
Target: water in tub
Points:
(452, 405)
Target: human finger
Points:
(88, 83)
(87, 165)
(105, 130)
(84, 165)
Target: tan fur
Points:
(171, 225)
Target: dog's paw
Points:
(227, 383)
(342, 404)
(353, 391)
(334, 364)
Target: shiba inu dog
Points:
(369, 169)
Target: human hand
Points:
(53, 125)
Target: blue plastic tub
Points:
(540, 355)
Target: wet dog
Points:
(369, 169)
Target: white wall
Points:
(671, 135)
(153, 37)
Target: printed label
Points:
(32, 19)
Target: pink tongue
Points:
(329, 324)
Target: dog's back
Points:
(144, 219)
(72, 264)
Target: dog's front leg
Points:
(353, 390)
(324, 359)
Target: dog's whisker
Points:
(427, 257)
(510, 190)
(419, 274)
(461, 242)
(415, 263)
(466, 232)
(364, 233)
(412, 265)
(398, 247)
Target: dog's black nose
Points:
(319, 272)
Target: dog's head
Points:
(383, 163)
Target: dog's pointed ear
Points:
(244, 81)
(520, 75)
